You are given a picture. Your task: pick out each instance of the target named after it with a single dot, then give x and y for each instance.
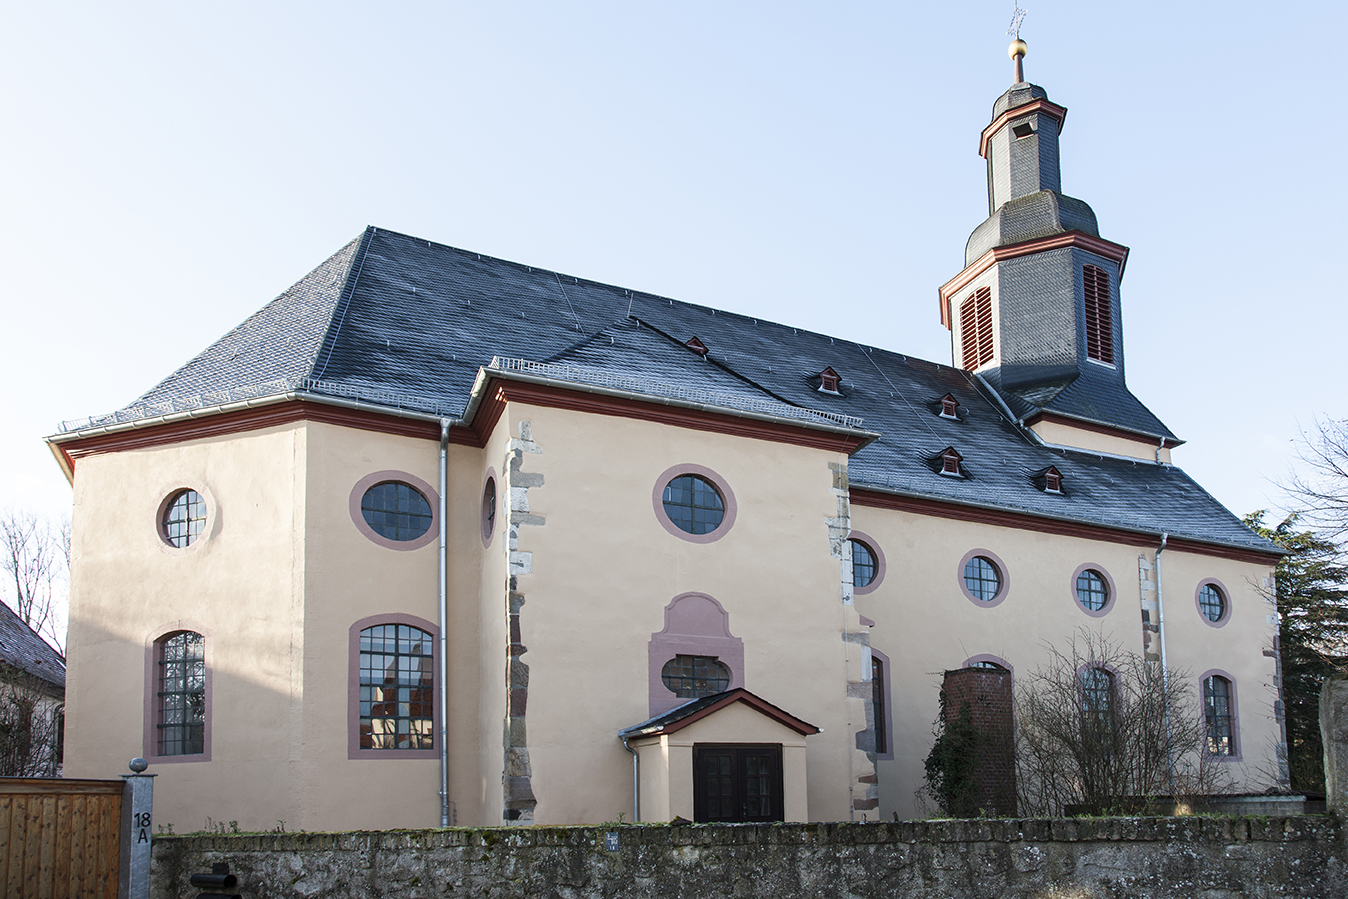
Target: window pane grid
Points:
(1217, 710)
(396, 688)
(1092, 592)
(1097, 687)
(182, 695)
(863, 564)
(693, 504)
(184, 519)
(982, 579)
(396, 511)
(1211, 602)
(691, 677)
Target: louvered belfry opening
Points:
(1099, 315)
(976, 328)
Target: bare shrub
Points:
(1101, 729)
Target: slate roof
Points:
(22, 648)
(405, 321)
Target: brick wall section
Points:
(1103, 858)
(987, 693)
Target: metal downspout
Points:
(636, 784)
(443, 667)
(1165, 668)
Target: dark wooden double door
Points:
(737, 782)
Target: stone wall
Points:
(1103, 858)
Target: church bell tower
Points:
(1036, 309)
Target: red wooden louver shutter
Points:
(969, 334)
(976, 328)
(1099, 315)
(984, 299)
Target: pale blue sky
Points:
(168, 168)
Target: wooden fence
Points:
(59, 838)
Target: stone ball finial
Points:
(138, 765)
(1018, 49)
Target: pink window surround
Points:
(695, 625)
(723, 488)
(379, 477)
(353, 750)
(1002, 572)
(1235, 715)
(1226, 602)
(1109, 585)
(887, 721)
(207, 530)
(874, 547)
(489, 523)
(985, 657)
(154, 646)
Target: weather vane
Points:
(1016, 18)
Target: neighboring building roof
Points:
(696, 709)
(402, 321)
(22, 648)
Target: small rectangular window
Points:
(878, 704)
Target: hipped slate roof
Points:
(403, 321)
(23, 649)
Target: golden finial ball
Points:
(1017, 48)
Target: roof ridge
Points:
(348, 292)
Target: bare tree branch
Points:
(1322, 487)
(35, 557)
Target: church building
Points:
(437, 538)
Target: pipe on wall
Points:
(636, 784)
(442, 668)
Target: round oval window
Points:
(693, 504)
(982, 579)
(1092, 591)
(184, 518)
(489, 509)
(396, 511)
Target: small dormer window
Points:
(1052, 480)
(950, 407)
(696, 346)
(1024, 129)
(829, 380)
(950, 463)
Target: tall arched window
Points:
(393, 710)
(1219, 713)
(181, 695)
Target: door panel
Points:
(737, 782)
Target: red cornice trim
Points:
(251, 420)
(760, 705)
(1025, 522)
(1047, 107)
(698, 420)
(498, 393)
(1098, 245)
(1068, 421)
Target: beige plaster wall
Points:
(604, 569)
(667, 762)
(236, 584)
(1067, 435)
(276, 585)
(925, 625)
(348, 578)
